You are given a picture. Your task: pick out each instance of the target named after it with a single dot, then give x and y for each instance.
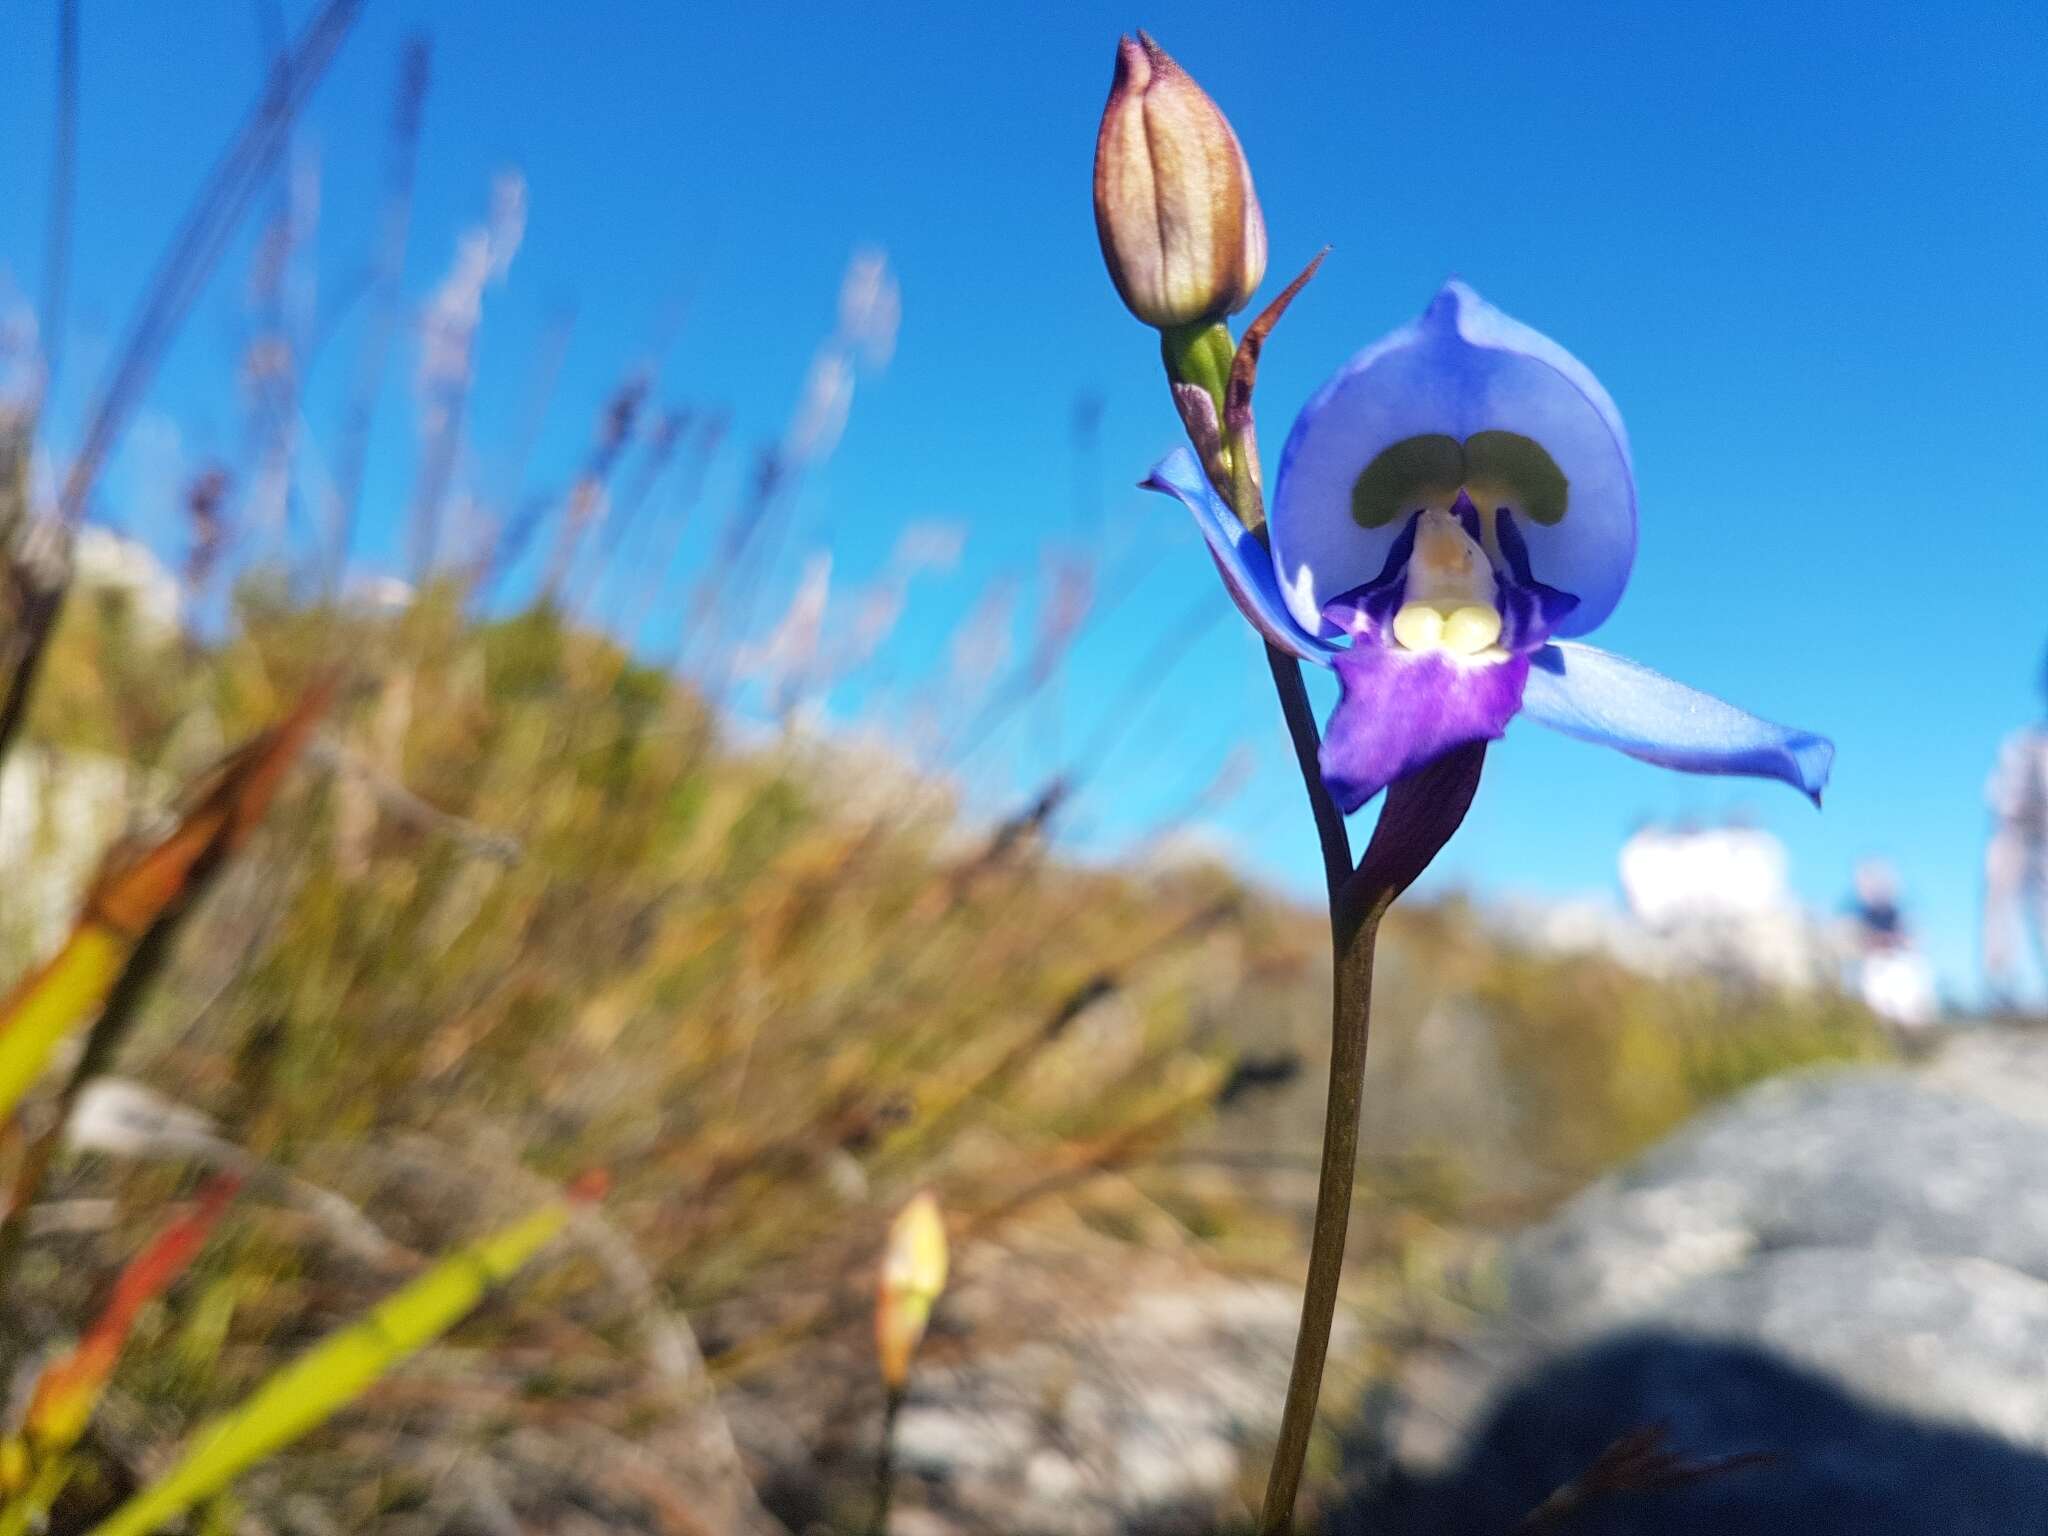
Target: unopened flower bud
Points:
(1180, 224)
(912, 1278)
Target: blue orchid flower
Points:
(1451, 510)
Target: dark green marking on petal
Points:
(1409, 474)
(1518, 465)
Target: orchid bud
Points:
(913, 1274)
(1180, 225)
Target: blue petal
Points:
(1464, 367)
(1600, 697)
(1245, 564)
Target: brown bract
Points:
(1180, 224)
(136, 886)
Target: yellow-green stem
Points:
(1200, 354)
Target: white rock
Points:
(106, 564)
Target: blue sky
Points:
(1805, 247)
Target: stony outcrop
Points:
(1847, 1271)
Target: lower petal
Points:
(1401, 710)
(1244, 563)
(1600, 697)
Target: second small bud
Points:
(913, 1276)
(1180, 224)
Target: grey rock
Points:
(2005, 1067)
(1955, 1339)
(1846, 1270)
(1867, 1159)
(1141, 1420)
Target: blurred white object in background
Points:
(1718, 900)
(122, 1118)
(1675, 875)
(107, 566)
(1898, 985)
(1885, 966)
(58, 812)
(2016, 861)
(381, 594)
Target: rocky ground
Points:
(1069, 1387)
(1846, 1271)
(1842, 1273)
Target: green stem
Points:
(1200, 354)
(1204, 356)
(885, 1464)
(1335, 841)
(1353, 934)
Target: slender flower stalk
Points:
(1452, 509)
(911, 1280)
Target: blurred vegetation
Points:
(528, 903)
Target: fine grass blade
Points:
(334, 1373)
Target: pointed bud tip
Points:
(1157, 57)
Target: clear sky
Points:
(1804, 246)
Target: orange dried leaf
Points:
(135, 888)
(69, 1389)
